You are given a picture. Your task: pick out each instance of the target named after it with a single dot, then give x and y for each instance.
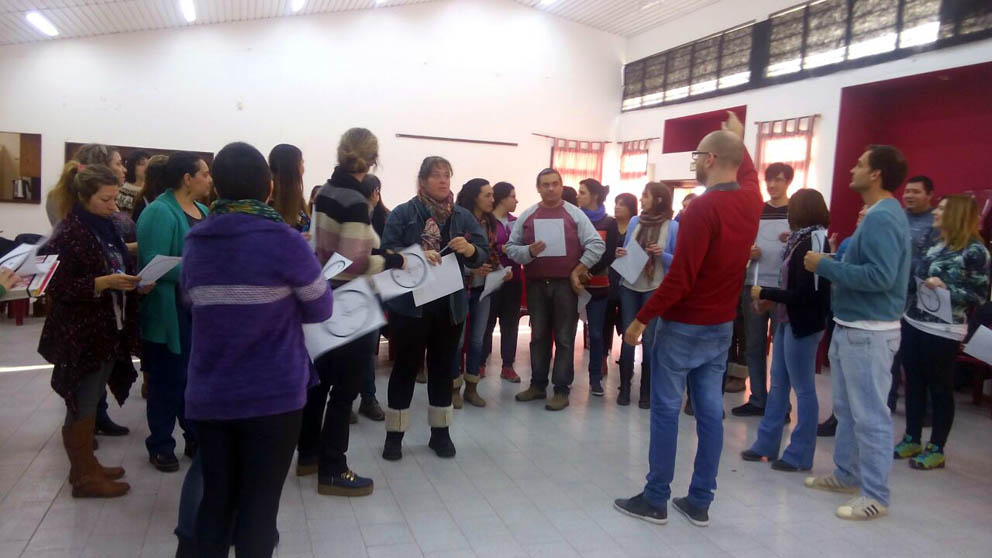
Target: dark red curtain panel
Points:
(577, 160)
(786, 141)
(634, 160)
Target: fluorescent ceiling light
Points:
(297, 5)
(547, 2)
(42, 24)
(189, 10)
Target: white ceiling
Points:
(83, 18)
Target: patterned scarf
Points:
(649, 225)
(440, 212)
(488, 224)
(251, 207)
(795, 238)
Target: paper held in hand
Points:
(335, 266)
(356, 313)
(819, 240)
(494, 280)
(395, 282)
(934, 301)
(159, 266)
(632, 264)
(552, 233)
(584, 298)
(442, 280)
(980, 345)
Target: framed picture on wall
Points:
(20, 167)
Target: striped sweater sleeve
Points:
(341, 224)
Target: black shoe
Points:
(191, 449)
(623, 399)
(596, 389)
(640, 508)
(165, 462)
(748, 455)
(306, 466)
(827, 428)
(785, 466)
(699, 517)
(644, 403)
(393, 448)
(748, 410)
(107, 427)
(346, 484)
(370, 409)
(441, 442)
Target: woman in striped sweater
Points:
(341, 224)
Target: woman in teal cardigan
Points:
(165, 322)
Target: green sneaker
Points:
(907, 448)
(932, 458)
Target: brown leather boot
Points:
(471, 393)
(111, 473)
(89, 475)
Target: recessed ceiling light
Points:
(189, 10)
(297, 5)
(42, 24)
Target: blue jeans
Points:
(596, 312)
(630, 304)
(478, 315)
(697, 354)
(793, 366)
(861, 374)
(166, 396)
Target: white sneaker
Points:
(862, 508)
(830, 483)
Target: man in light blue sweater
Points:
(868, 299)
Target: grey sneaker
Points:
(862, 508)
(696, 515)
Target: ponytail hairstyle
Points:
(358, 151)
(596, 189)
(287, 183)
(90, 154)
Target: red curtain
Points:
(577, 160)
(634, 160)
(786, 141)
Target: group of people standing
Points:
(221, 342)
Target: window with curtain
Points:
(577, 160)
(786, 141)
(634, 160)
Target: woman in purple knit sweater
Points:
(253, 281)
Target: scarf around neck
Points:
(105, 231)
(595, 215)
(649, 225)
(250, 207)
(797, 237)
(440, 212)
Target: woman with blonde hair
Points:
(958, 262)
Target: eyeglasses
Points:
(697, 154)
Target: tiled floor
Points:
(525, 483)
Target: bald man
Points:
(697, 303)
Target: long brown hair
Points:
(287, 182)
(89, 154)
(959, 221)
(662, 197)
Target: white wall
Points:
(811, 96)
(488, 69)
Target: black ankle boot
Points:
(623, 399)
(441, 442)
(393, 449)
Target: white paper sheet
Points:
(442, 280)
(494, 281)
(934, 301)
(819, 239)
(18, 257)
(584, 298)
(552, 233)
(769, 240)
(356, 313)
(632, 264)
(980, 345)
(159, 266)
(395, 282)
(335, 266)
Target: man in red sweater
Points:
(697, 303)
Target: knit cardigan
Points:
(162, 229)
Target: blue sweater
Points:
(871, 281)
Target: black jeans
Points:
(929, 364)
(554, 315)
(505, 307)
(245, 462)
(612, 324)
(344, 368)
(435, 333)
(166, 396)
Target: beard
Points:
(701, 175)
